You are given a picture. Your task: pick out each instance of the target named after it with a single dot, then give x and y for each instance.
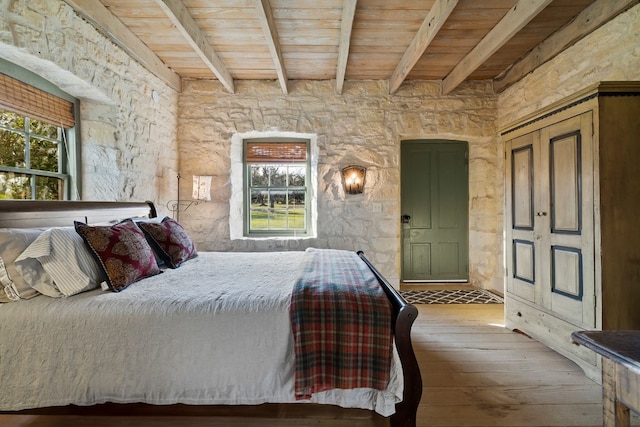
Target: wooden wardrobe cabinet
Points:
(572, 219)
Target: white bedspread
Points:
(214, 331)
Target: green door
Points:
(435, 218)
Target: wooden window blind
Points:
(32, 102)
(275, 152)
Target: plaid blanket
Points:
(341, 320)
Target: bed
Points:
(217, 329)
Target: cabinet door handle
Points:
(541, 213)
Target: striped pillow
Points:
(59, 264)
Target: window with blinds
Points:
(276, 187)
(33, 142)
(278, 152)
(32, 102)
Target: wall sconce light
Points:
(201, 193)
(353, 178)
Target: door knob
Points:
(405, 219)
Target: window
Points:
(36, 140)
(31, 159)
(276, 187)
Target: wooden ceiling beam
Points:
(103, 20)
(434, 20)
(517, 17)
(265, 15)
(179, 15)
(346, 25)
(593, 17)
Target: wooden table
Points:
(620, 351)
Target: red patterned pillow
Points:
(170, 240)
(121, 251)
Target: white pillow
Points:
(69, 268)
(13, 241)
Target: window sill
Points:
(275, 238)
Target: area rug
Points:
(458, 296)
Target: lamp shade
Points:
(201, 188)
(353, 178)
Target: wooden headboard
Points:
(47, 213)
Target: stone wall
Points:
(365, 126)
(131, 145)
(610, 53)
(128, 142)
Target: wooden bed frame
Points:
(32, 214)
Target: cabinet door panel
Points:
(521, 247)
(567, 285)
(566, 272)
(524, 261)
(522, 191)
(565, 179)
(568, 239)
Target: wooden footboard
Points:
(28, 214)
(404, 316)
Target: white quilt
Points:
(214, 331)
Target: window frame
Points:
(69, 152)
(32, 173)
(247, 189)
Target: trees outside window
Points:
(31, 159)
(276, 188)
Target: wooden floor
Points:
(475, 373)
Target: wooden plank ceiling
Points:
(343, 40)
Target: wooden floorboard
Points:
(475, 373)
